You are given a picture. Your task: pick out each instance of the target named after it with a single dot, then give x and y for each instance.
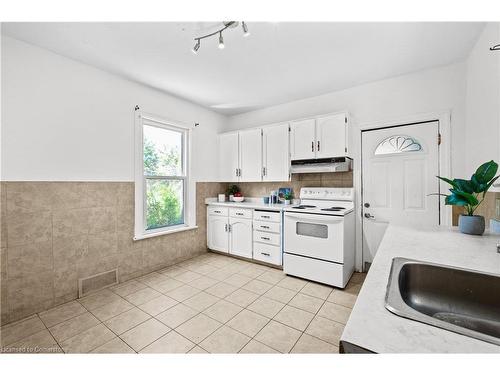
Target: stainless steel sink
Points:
(456, 299)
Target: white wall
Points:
(482, 128)
(64, 120)
(427, 91)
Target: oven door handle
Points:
(314, 218)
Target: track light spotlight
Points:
(196, 47)
(245, 29)
(221, 41)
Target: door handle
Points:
(368, 216)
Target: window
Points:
(397, 144)
(162, 181)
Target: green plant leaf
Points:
(452, 183)
(453, 200)
(476, 185)
(464, 185)
(469, 198)
(489, 185)
(486, 172)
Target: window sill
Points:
(164, 232)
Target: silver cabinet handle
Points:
(318, 145)
(264, 226)
(265, 216)
(265, 238)
(229, 227)
(312, 146)
(239, 214)
(217, 212)
(266, 254)
(225, 228)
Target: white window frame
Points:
(140, 230)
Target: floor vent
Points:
(97, 282)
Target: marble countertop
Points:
(373, 327)
(255, 203)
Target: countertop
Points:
(255, 203)
(372, 327)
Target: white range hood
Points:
(342, 164)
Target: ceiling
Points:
(277, 63)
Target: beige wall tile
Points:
(30, 259)
(25, 228)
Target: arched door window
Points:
(397, 144)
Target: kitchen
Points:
(144, 211)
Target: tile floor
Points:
(211, 303)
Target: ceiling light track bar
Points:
(227, 25)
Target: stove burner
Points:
(304, 206)
(333, 209)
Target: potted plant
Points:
(288, 197)
(231, 190)
(469, 194)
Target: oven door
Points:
(315, 236)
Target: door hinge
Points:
(439, 139)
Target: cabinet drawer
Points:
(266, 226)
(265, 237)
(267, 216)
(217, 210)
(243, 213)
(267, 253)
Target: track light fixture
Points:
(226, 25)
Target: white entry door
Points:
(399, 169)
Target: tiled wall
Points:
(53, 233)
(261, 189)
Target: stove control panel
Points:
(342, 194)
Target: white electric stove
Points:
(319, 242)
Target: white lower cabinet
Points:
(230, 231)
(245, 233)
(217, 233)
(240, 237)
(267, 237)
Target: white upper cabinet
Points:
(303, 139)
(251, 155)
(323, 137)
(228, 157)
(275, 147)
(331, 136)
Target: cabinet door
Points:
(240, 237)
(275, 147)
(251, 155)
(217, 233)
(331, 136)
(303, 139)
(228, 157)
